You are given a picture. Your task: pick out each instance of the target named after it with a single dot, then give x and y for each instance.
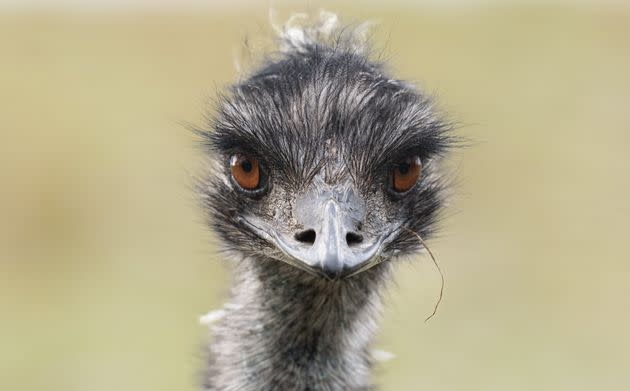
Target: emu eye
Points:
(245, 171)
(406, 174)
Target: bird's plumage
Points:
(324, 121)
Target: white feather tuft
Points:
(382, 356)
(211, 317)
(301, 31)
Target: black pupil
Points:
(247, 166)
(404, 168)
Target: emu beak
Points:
(332, 244)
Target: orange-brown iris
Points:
(406, 174)
(246, 171)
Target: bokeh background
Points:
(105, 265)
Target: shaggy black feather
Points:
(324, 114)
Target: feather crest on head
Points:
(301, 32)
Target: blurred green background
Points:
(105, 265)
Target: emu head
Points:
(325, 163)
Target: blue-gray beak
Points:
(331, 242)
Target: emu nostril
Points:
(307, 236)
(353, 239)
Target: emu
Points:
(324, 171)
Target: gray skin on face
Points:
(313, 245)
(327, 233)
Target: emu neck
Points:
(284, 329)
